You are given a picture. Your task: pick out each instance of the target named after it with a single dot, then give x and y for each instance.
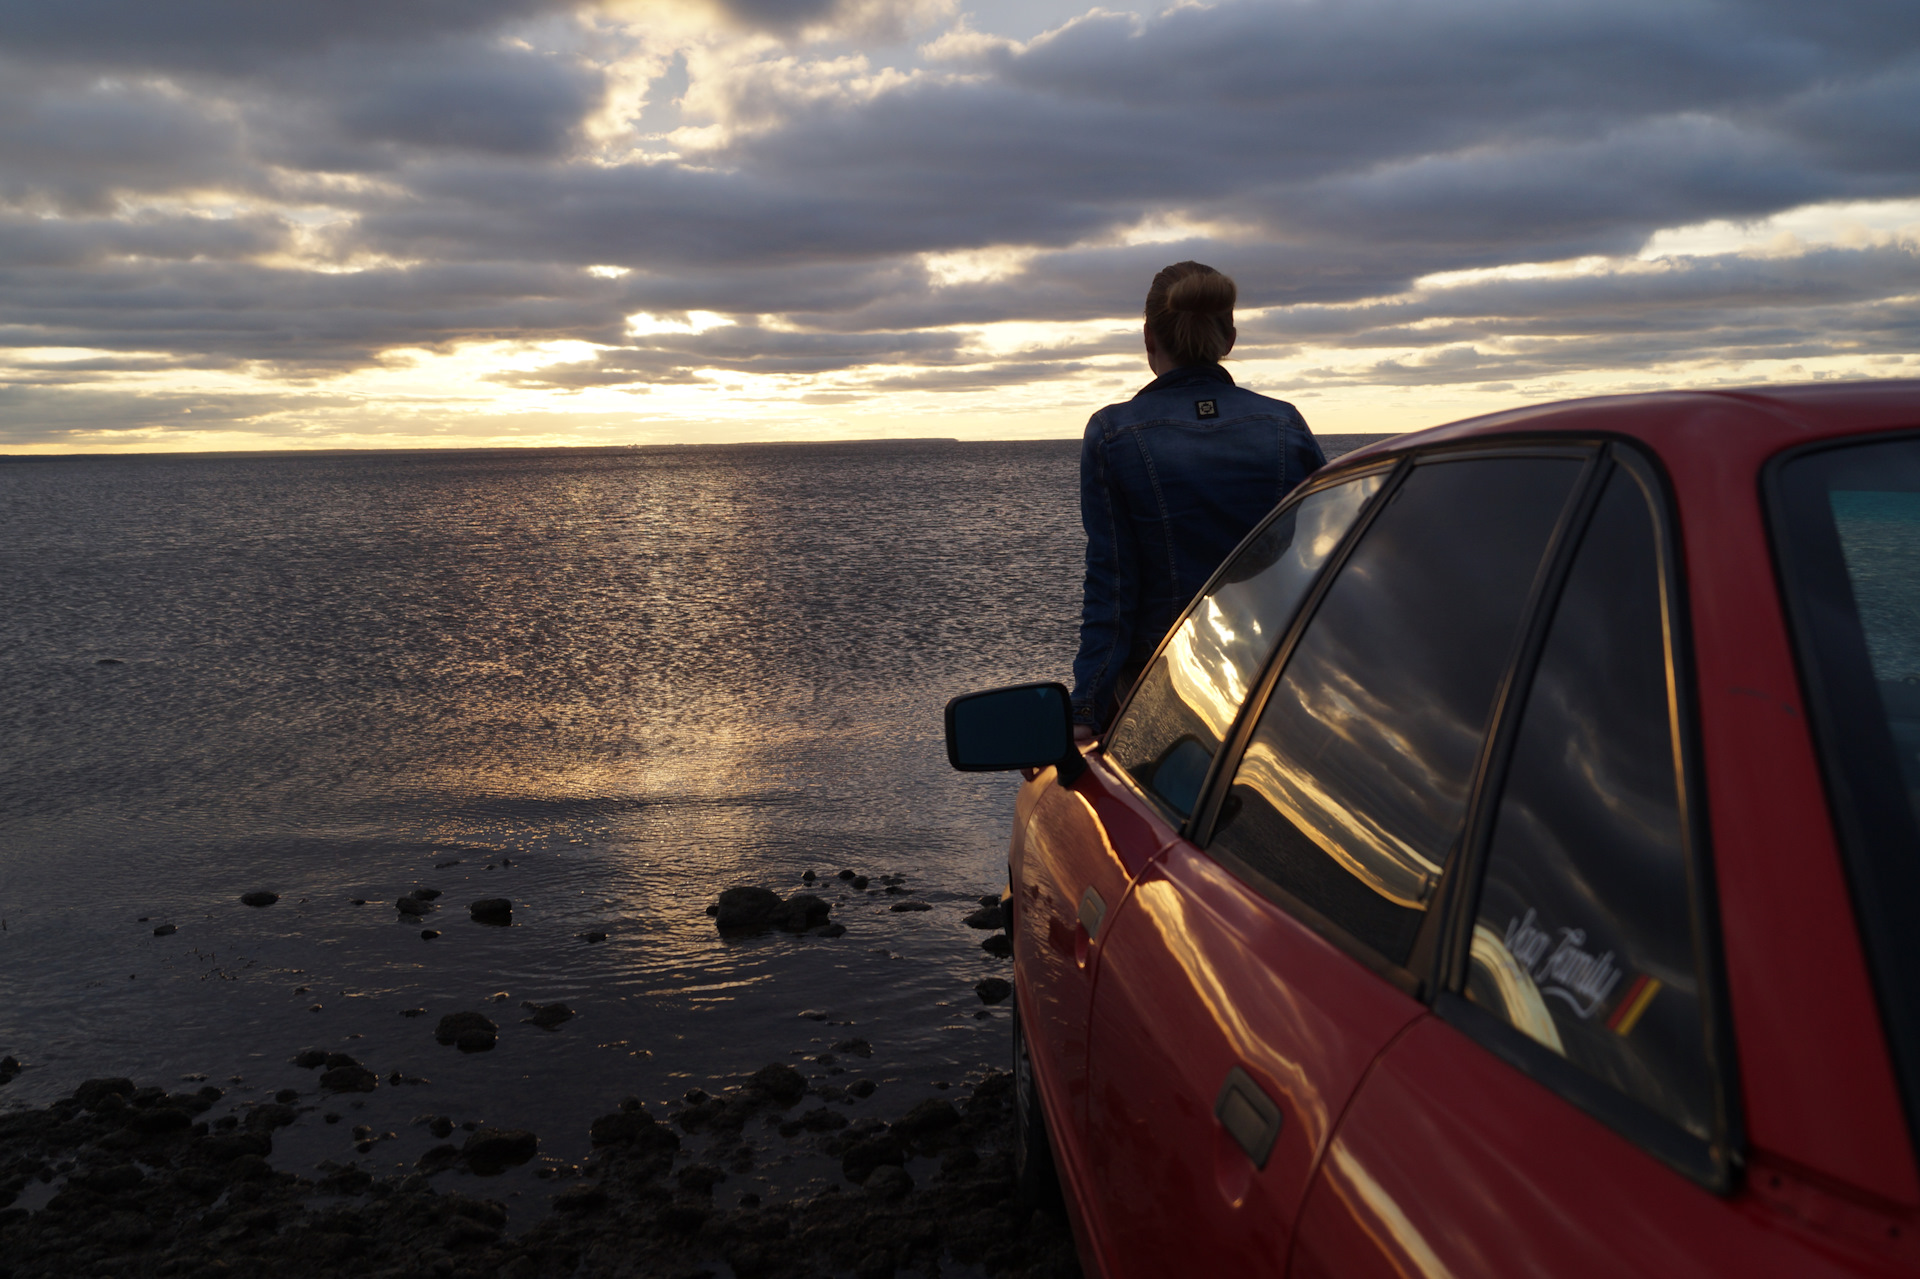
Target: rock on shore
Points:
(547, 1016)
(746, 907)
(491, 910)
(469, 1031)
(987, 917)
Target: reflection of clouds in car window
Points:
(1588, 860)
(1622, 787)
(1209, 683)
(1219, 649)
(1355, 785)
(1324, 520)
(1371, 853)
(1196, 687)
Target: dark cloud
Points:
(886, 20)
(30, 413)
(462, 96)
(1542, 134)
(1865, 124)
(301, 187)
(295, 320)
(779, 15)
(1664, 296)
(236, 36)
(1729, 308)
(745, 348)
(73, 147)
(34, 247)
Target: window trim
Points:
(1414, 976)
(1639, 1123)
(1716, 1161)
(1876, 859)
(1213, 792)
(1319, 481)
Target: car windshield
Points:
(1847, 525)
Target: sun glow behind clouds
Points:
(643, 323)
(975, 266)
(1850, 225)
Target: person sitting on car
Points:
(1170, 482)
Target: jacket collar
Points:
(1187, 375)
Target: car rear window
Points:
(1191, 694)
(1847, 531)
(1354, 785)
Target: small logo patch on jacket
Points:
(1206, 408)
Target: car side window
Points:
(1354, 785)
(1584, 939)
(1191, 694)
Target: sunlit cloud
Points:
(642, 324)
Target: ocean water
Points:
(605, 684)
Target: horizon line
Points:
(605, 448)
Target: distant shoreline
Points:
(1348, 441)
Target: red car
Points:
(1510, 865)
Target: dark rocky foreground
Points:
(142, 1187)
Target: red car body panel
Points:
(1818, 1086)
(1408, 1148)
(1179, 1006)
(1067, 841)
(1526, 1185)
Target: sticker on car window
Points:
(1560, 965)
(1627, 1013)
(1518, 971)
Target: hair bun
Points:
(1205, 292)
(1189, 313)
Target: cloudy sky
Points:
(236, 224)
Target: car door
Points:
(1082, 844)
(1567, 1110)
(1249, 982)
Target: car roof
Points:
(1736, 424)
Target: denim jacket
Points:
(1170, 482)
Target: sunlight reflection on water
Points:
(638, 676)
(602, 683)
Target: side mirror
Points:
(1026, 726)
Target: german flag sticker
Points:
(1634, 1003)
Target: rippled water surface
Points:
(602, 683)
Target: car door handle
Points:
(1250, 1117)
(1093, 909)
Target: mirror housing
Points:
(1024, 726)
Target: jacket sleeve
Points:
(1304, 455)
(1110, 593)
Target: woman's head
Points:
(1190, 314)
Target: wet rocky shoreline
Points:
(141, 1185)
(120, 1179)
